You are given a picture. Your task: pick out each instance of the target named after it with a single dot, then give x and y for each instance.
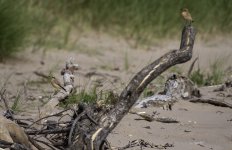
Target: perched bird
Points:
(186, 15)
(56, 84)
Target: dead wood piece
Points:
(166, 120)
(48, 131)
(5, 144)
(12, 146)
(180, 87)
(45, 143)
(34, 143)
(56, 114)
(95, 136)
(11, 132)
(212, 102)
(74, 126)
(17, 146)
(224, 87)
(142, 143)
(144, 115)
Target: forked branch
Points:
(93, 137)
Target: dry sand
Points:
(201, 126)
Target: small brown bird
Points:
(186, 15)
(56, 84)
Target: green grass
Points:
(53, 24)
(126, 61)
(175, 69)
(15, 106)
(82, 97)
(198, 77)
(14, 27)
(214, 76)
(143, 19)
(92, 96)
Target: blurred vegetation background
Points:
(49, 23)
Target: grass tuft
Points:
(15, 106)
(54, 24)
(14, 27)
(215, 75)
(91, 97)
(198, 77)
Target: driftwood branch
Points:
(93, 137)
(90, 126)
(212, 102)
(151, 118)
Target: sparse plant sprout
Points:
(110, 97)
(15, 106)
(160, 80)
(175, 69)
(92, 96)
(148, 92)
(214, 76)
(198, 77)
(126, 61)
(67, 34)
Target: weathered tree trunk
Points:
(92, 136)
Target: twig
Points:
(41, 74)
(5, 144)
(8, 110)
(5, 83)
(73, 127)
(4, 100)
(45, 143)
(25, 89)
(212, 102)
(191, 66)
(48, 117)
(35, 143)
(48, 131)
(91, 119)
